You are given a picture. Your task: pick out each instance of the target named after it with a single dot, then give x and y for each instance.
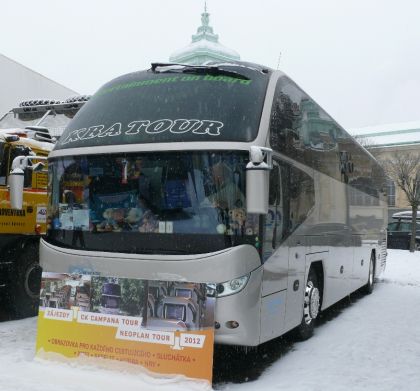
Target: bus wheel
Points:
(311, 307)
(25, 283)
(368, 288)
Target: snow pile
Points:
(19, 371)
(402, 268)
(373, 343)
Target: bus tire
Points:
(311, 307)
(25, 282)
(368, 288)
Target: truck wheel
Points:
(25, 282)
(368, 288)
(311, 307)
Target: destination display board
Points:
(163, 326)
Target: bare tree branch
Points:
(365, 142)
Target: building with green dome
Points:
(204, 47)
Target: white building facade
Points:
(384, 141)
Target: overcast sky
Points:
(359, 59)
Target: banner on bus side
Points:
(164, 326)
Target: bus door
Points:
(275, 258)
(299, 206)
(291, 200)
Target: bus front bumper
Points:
(237, 316)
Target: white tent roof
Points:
(18, 83)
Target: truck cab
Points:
(27, 132)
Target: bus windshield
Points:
(147, 107)
(169, 202)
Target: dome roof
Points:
(204, 47)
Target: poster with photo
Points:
(81, 219)
(66, 217)
(166, 327)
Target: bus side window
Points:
(285, 121)
(291, 198)
(300, 197)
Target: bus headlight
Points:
(227, 288)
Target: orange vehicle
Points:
(28, 132)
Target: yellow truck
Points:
(27, 132)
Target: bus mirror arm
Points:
(257, 178)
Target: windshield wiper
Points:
(212, 70)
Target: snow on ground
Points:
(372, 344)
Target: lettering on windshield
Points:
(177, 126)
(173, 79)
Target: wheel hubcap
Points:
(311, 304)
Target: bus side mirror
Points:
(257, 179)
(15, 182)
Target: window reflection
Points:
(291, 198)
(165, 193)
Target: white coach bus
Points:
(227, 174)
